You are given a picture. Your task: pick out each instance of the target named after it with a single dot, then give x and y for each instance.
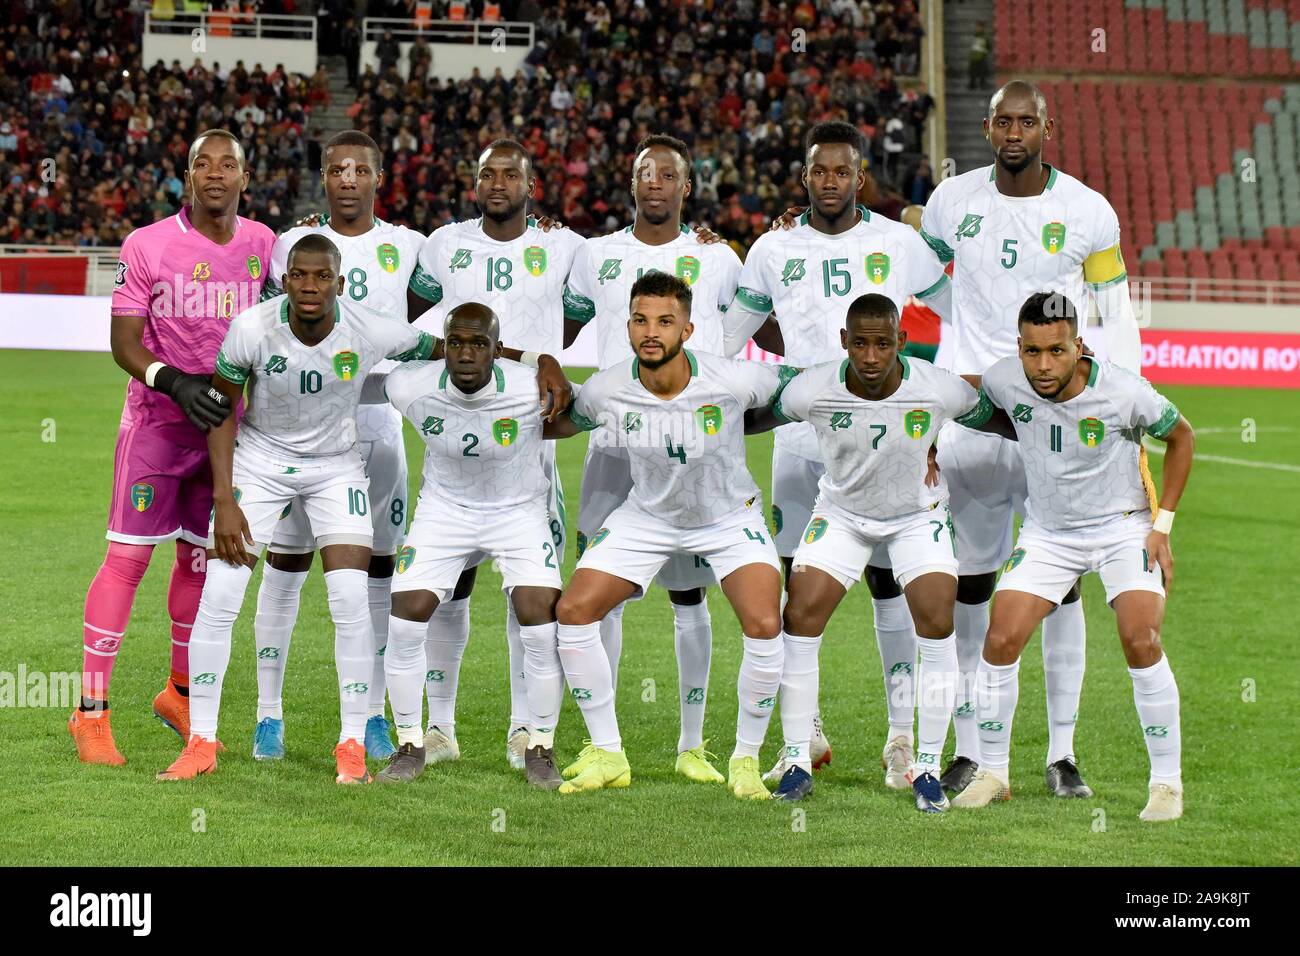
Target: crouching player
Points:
(875, 414)
(304, 357)
(681, 417)
(1080, 424)
(484, 494)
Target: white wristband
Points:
(1164, 522)
(529, 358)
(152, 371)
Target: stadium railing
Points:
(475, 32)
(232, 24)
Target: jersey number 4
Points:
(679, 452)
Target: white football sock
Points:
(937, 684)
(1155, 692)
(277, 610)
(997, 688)
(443, 649)
(404, 667)
(799, 687)
(543, 682)
(896, 638)
(223, 596)
(381, 600)
(1065, 641)
(586, 668)
(518, 686)
(757, 686)
(693, 638)
(971, 624)
(350, 611)
(611, 639)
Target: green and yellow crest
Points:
(816, 528)
(598, 537)
(535, 260)
(878, 267)
(505, 431)
(688, 269)
(1054, 237)
(141, 496)
(709, 418)
(254, 267)
(1091, 432)
(1013, 562)
(916, 422)
(777, 522)
(387, 256)
(346, 364)
(405, 558)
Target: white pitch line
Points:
(1223, 460)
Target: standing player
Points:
(179, 283)
(304, 357)
(1079, 423)
(1015, 228)
(680, 415)
(378, 260)
(484, 494)
(599, 286)
(809, 276)
(875, 415)
(508, 262)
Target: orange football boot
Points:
(199, 756)
(173, 709)
(94, 739)
(350, 761)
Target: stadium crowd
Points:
(739, 80)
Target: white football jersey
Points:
(809, 279)
(1008, 248)
(876, 452)
(303, 400)
(1081, 456)
(522, 280)
(687, 453)
(484, 450)
(600, 287)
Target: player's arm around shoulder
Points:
(762, 391)
(586, 410)
(987, 414)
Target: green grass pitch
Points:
(1229, 633)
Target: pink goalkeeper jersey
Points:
(188, 289)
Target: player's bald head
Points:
(473, 317)
(316, 244)
(1018, 89)
(872, 309)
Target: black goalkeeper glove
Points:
(202, 404)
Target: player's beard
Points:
(1019, 164)
(512, 210)
(658, 219)
(670, 352)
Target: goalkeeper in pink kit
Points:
(179, 283)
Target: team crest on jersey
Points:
(1022, 413)
(794, 271)
(141, 496)
(276, 363)
(535, 260)
(461, 259)
(709, 418)
(1091, 432)
(201, 271)
(841, 420)
(777, 523)
(346, 364)
(878, 267)
(916, 422)
(1013, 562)
(255, 267)
(816, 528)
(632, 422)
(119, 279)
(1054, 237)
(609, 270)
(970, 226)
(688, 269)
(505, 431)
(405, 558)
(388, 257)
(432, 426)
